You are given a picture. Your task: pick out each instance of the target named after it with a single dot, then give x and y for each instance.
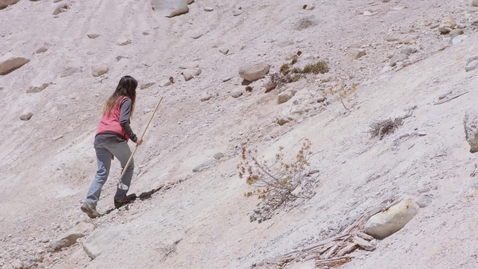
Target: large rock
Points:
(471, 64)
(188, 74)
(254, 72)
(285, 96)
(399, 57)
(170, 8)
(6, 3)
(101, 240)
(71, 236)
(99, 70)
(393, 219)
(471, 128)
(26, 115)
(10, 63)
(37, 88)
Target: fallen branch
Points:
(450, 98)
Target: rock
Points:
(218, 155)
(237, 92)
(205, 96)
(357, 53)
(35, 89)
(196, 35)
(44, 48)
(471, 128)
(190, 65)
(391, 38)
(285, 96)
(320, 98)
(237, 11)
(305, 23)
(26, 115)
(449, 22)
(123, 41)
(146, 84)
(399, 57)
(166, 82)
(92, 36)
(457, 39)
(6, 3)
(424, 200)
(269, 85)
(99, 70)
(327, 77)
(224, 51)
(72, 235)
(10, 63)
(457, 32)
(254, 72)
(444, 30)
(209, 9)
(474, 3)
(170, 8)
(69, 70)
(204, 166)
(101, 239)
(60, 9)
(367, 13)
(188, 74)
(471, 64)
(283, 120)
(408, 40)
(309, 7)
(391, 220)
(408, 51)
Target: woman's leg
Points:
(103, 159)
(122, 152)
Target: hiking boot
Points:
(125, 200)
(90, 210)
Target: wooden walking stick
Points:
(122, 186)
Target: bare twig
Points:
(450, 98)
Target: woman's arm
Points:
(125, 113)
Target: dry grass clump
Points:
(320, 67)
(388, 126)
(385, 127)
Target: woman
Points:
(111, 141)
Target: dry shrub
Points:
(278, 183)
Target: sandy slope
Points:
(44, 179)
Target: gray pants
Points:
(104, 153)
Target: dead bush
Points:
(279, 183)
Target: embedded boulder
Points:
(10, 63)
(71, 236)
(170, 8)
(6, 3)
(391, 220)
(254, 72)
(471, 129)
(101, 239)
